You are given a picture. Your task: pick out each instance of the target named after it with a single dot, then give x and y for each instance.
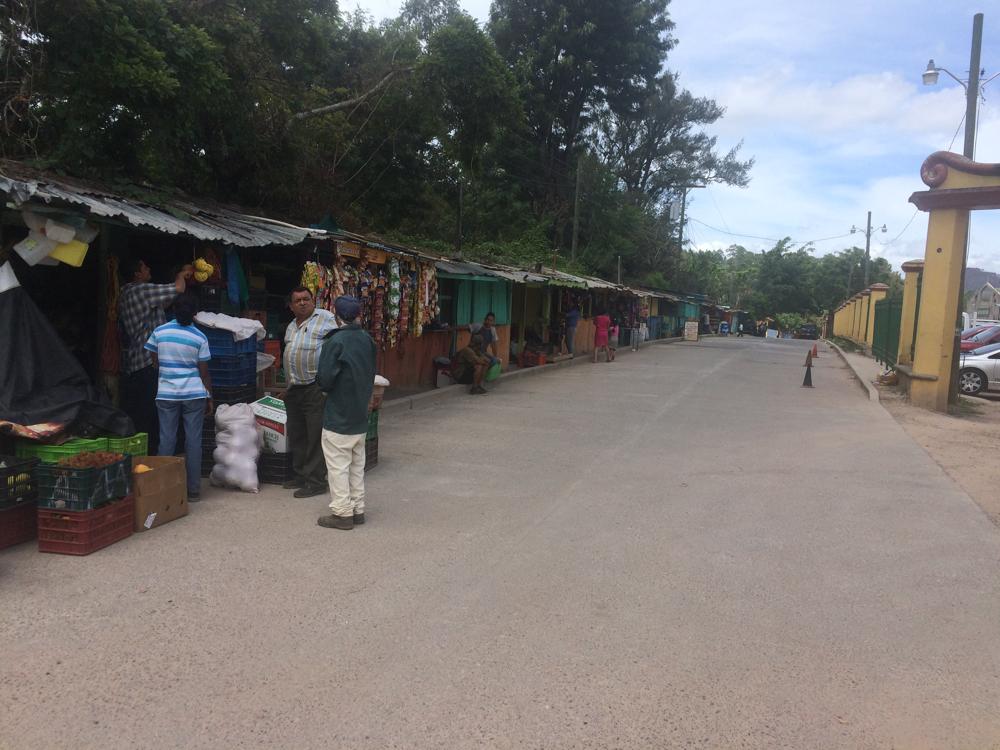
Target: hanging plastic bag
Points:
(238, 446)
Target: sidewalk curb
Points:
(409, 402)
(871, 389)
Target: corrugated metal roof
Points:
(25, 187)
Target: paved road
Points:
(681, 549)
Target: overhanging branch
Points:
(348, 103)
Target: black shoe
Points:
(293, 484)
(344, 523)
(310, 490)
(359, 519)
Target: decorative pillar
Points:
(933, 356)
(908, 319)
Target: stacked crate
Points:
(18, 496)
(233, 370)
(371, 441)
(81, 510)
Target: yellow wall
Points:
(878, 293)
(908, 317)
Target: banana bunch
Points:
(203, 269)
(310, 276)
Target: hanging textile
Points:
(236, 281)
(394, 296)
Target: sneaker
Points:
(344, 523)
(310, 490)
(293, 484)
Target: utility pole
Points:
(460, 199)
(868, 250)
(576, 210)
(868, 246)
(971, 112)
(680, 229)
(619, 270)
(972, 90)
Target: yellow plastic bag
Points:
(71, 253)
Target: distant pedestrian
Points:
(739, 333)
(304, 400)
(180, 355)
(572, 319)
(347, 375)
(602, 330)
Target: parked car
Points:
(979, 370)
(807, 331)
(990, 336)
(968, 333)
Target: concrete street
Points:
(683, 548)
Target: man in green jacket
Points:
(346, 375)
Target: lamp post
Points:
(868, 243)
(973, 90)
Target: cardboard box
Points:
(271, 417)
(160, 494)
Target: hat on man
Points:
(347, 308)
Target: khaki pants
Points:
(345, 471)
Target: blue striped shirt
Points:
(179, 350)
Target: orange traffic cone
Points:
(815, 351)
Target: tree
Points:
(655, 145)
(571, 60)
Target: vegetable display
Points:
(90, 460)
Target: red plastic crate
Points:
(85, 531)
(18, 524)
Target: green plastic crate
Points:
(51, 454)
(372, 425)
(64, 487)
(137, 445)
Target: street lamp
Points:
(973, 90)
(868, 241)
(973, 86)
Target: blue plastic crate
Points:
(222, 344)
(231, 371)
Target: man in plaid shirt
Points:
(141, 308)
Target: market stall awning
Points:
(29, 188)
(453, 269)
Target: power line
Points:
(732, 234)
(907, 226)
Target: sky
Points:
(828, 100)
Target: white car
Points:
(979, 370)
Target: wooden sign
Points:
(349, 249)
(691, 330)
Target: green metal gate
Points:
(885, 338)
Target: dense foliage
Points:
(298, 108)
(410, 128)
(782, 281)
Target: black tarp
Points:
(41, 380)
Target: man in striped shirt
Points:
(304, 401)
(180, 353)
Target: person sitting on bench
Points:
(470, 364)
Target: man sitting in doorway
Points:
(487, 329)
(469, 365)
